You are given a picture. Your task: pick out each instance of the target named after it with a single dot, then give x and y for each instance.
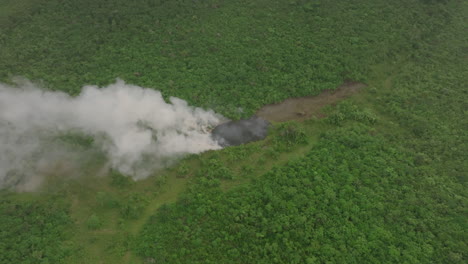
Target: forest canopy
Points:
(379, 177)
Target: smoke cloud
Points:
(134, 126)
(239, 132)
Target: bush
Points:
(348, 111)
(133, 206)
(289, 134)
(93, 222)
(120, 180)
(107, 200)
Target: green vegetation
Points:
(33, 231)
(351, 199)
(209, 52)
(381, 179)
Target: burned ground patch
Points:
(238, 132)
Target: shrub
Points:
(93, 222)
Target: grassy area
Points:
(381, 179)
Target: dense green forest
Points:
(380, 179)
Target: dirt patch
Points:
(303, 108)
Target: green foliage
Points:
(93, 222)
(107, 200)
(384, 184)
(33, 231)
(387, 186)
(120, 245)
(160, 180)
(133, 205)
(351, 199)
(348, 111)
(290, 134)
(268, 52)
(120, 180)
(214, 169)
(182, 170)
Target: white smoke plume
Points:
(134, 126)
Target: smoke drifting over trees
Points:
(126, 122)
